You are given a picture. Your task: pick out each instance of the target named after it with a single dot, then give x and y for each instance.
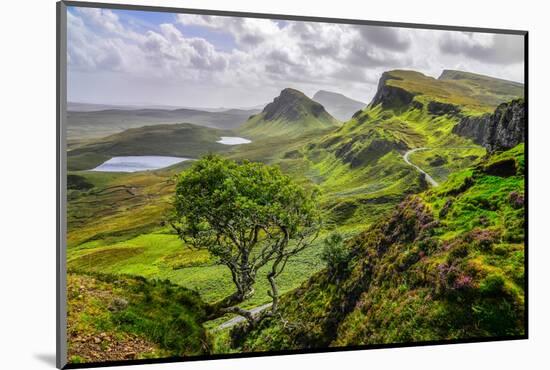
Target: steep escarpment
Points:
(447, 264)
(390, 96)
(452, 92)
(502, 130)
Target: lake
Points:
(233, 140)
(138, 163)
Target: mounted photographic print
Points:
(238, 184)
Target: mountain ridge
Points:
(467, 92)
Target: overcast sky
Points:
(152, 58)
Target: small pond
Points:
(138, 163)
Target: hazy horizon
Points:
(139, 58)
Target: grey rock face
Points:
(390, 96)
(502, 130)
(507, 128)
(474, 128)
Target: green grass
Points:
(115, 220)
(120, 317)
(447, 264)
(291, 114)
(258, 126)
(164, 256)
(471, 92)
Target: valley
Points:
(390, 177)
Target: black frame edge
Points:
(61, 175)
(228, 13)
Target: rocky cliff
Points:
(502, 130)
(390, 96)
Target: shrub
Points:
(335, 254)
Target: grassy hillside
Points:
(180, 140)
(469, 92)
(490, 90)
(424, 262)
(116, 225)
(122, 318)
(291, 114)
(447, 264)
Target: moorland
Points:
(424, 186)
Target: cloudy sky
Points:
(152, 58)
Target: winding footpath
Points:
(238, 319)
(426, 175)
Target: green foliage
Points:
(335, 254)
(245, 215)
(76, 182)
(216, 193)
(422, 274)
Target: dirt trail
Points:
(426, 175)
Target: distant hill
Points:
(450, 74)
(96, 124)
(92, 107)
(180, 140)
(291, 113)
(453, 90)
(338, 105)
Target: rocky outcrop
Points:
(391, 96)
(502, 130)
(292, 105)
(507, 128)
(474, 128)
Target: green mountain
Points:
(361, 166)
(490, 90)
(338, 105)
(290, 114)
(448, 263)
(179, 140)
(453, 91)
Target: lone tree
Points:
(247, 215)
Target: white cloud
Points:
(246, 31)
(490, 48)
(266, 56)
